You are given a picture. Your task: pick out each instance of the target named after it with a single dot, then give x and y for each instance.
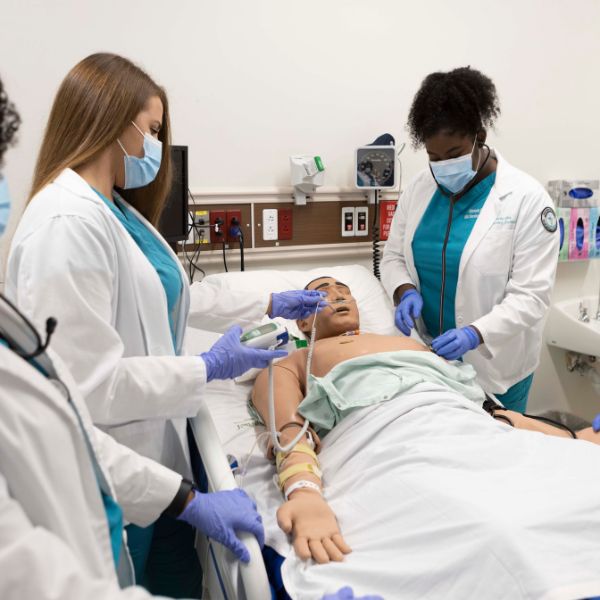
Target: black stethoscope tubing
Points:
(452, 199)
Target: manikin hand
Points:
(314, 528)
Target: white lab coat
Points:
(72, 259)
(54, 538)
(506, 271)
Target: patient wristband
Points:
(302, 484)
(299, 468)
(178, 503)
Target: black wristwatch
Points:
(178, 503)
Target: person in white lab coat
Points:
(88, 257)
(66, 486)
(472, 251)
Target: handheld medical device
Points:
(307, 174)
(268, 336)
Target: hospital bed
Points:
(224, 428)
(227, 436)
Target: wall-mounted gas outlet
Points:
(348, 226)
(269, 217)
(217, 226)
(361, 218)
(233, 223)
(284, 224)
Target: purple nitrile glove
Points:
(455, 342)
(220, 514)
(596, 423)
(408, 310)
(346, 593)
(229, 358)
(297, 304)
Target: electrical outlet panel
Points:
(361, 220)
(269, 217)
(202, 227)
(348, 223)
(233, 218)
(284, 224)
(217, 226)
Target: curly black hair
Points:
(9, 122)
(463, 100)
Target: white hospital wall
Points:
(251, 82)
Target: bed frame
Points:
(224, 577)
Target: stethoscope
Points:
(19, 333)
(24, 340)
(453, 198)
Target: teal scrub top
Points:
(163, 263)
(427, 245)
(114, 513)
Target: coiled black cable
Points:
(375, 236)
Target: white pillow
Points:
(376, 309)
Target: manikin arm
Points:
(305, 514)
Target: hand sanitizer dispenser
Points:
(308, 173)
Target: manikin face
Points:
(338, 318)
(149, 121)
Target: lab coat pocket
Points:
(493, 256)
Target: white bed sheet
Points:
(437, 500)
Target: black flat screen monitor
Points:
(173, 223)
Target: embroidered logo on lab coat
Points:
(472, 213)
(505, 222)
(549, 220)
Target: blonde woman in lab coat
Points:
(92, 259)
(472, 251)
(65, 486)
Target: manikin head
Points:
(338, 318)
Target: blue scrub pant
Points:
(165, 559)
(515, 398)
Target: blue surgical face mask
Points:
(4, 205)
(142, 171)
(455, 173)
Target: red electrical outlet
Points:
(233, 218)
(218, 228)
(387, 208)
(285, 224)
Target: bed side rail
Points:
(220, 477)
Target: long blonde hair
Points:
(97, 100)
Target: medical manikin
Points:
(300, 397)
